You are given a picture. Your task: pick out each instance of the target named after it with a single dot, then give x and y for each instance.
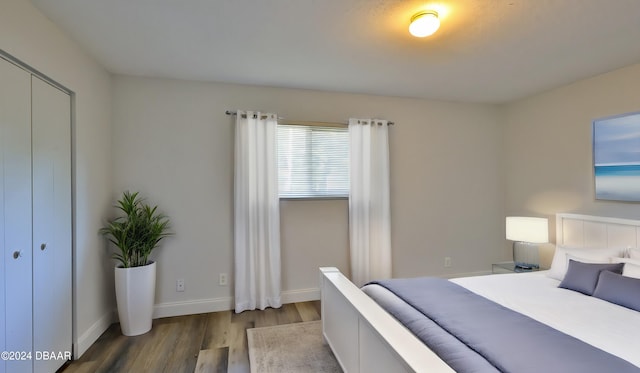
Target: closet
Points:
(35, 221)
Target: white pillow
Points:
(634, 253)
(631, 266)
(560, 262)
(631, 270)
(615, 259)
(597, 259)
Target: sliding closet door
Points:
(15, 118)
(3, 119)
(51, 144)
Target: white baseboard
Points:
(192, 307)
(301, 295)
(93, 333)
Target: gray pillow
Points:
(583, 277)
(618, 289)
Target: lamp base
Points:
(527, 266)
(525, 255)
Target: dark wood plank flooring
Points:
(211, 342)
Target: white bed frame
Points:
(365, 338)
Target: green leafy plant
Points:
(137, 232)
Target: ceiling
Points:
(488, 51)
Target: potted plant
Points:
(135, 234)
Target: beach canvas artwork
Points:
(616, 157)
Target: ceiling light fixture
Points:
(424, 23)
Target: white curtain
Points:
(257, 213)
(369, 210)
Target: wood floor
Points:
(211, 342)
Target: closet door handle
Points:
(43, 246)
(17, 254)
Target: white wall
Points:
(548, 146)
(173, 142)
(27, 35)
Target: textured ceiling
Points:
(485, 51)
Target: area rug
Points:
(290, 348)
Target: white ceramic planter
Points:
(135, 294)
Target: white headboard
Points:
(575, 230)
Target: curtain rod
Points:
(229, 112)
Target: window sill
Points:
(313, 198)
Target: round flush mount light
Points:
(424, 23)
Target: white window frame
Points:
(341, 193)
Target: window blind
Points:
(313, 161)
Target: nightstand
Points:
(509, 267)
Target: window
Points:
(313, 161)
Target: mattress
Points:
(606, 326)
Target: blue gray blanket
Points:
(446, 316)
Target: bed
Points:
(366, 338)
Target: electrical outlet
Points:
(222, 280)
(447, 261)
(180, 284)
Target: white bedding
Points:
(607, 326)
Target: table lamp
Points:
(525, 232)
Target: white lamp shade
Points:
(526, 229)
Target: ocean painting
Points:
(616, 157)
